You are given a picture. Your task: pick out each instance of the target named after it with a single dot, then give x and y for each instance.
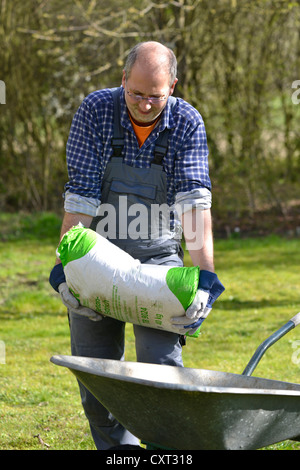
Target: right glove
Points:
(57, 280)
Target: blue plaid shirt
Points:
(89, 146)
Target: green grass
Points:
(39, 402)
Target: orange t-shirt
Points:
(142, 132)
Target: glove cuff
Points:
(206, 280)
(215, 292)
(57, 276)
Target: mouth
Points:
(149, 111)
(145, 113)
(144, 116)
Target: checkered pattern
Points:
(89, 146)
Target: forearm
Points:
(197, 229)
(70, 220)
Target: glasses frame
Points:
(153, 100)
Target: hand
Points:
(57, 280)
(194, 312)
(72, 303)
(215, 288)
(191, 329)
(197, 308)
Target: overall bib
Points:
(126, 193)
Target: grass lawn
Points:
(39, 402)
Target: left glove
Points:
(210, 288)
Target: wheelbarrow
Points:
(179, 408)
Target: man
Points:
(107, 169)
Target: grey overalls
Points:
(105, 339)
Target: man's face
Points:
(143, 82)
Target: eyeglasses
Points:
(154, 99)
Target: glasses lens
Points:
(155, 100)
(151, 100)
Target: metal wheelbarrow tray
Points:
(193, 409)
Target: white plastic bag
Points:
(108, 280)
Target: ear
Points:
(173, 86)
(123, 79)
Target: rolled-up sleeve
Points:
(197, 198)
(191, 165)
(76, 204)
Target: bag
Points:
(108, 280)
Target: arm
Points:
(193, 199)
(57, 277)
(197, 229)
(82, 191)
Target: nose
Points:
(145, 105)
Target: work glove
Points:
(57, 280)
(210, 288)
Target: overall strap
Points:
(161, 145)
(117, 141)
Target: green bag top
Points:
(183, 282)
(76, 243)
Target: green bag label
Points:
(76, 243)
(183, 282)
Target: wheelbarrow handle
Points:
(296, 319)
(292, 323)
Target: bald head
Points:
(152, 56)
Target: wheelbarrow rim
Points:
(73, 362)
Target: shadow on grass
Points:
(236, 304)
